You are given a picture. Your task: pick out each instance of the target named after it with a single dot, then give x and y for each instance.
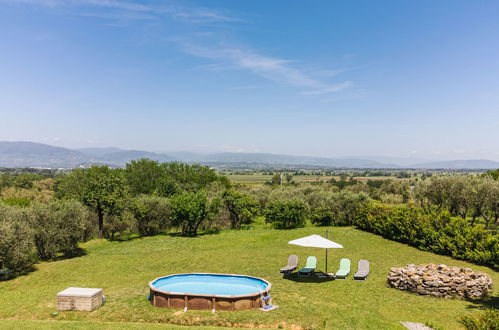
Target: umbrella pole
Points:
(326, 254)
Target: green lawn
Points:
(123, 270)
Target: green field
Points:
(123, 270)
(257, 179)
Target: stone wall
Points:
(441, 281)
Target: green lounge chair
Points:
(309, 267)
(344, 270)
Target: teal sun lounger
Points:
(344, 270)
(309, 267)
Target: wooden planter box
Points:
(79, 299)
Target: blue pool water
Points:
(226, 285)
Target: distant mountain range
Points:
(30, 154)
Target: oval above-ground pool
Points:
(201, 291)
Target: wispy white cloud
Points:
(125, 8)
(43, 3)
(237, 88)
(311, 82)
(329, 89)
(119, 16)
(280, 71)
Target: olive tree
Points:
(286, 214)
(190, 209)
(242, 207)
(152, 214)
(58, 228)
(17, 248)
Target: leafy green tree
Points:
(192, 177)
(152, 214)
(25, 180)
(242, 207)
(190, 209)
(286, 214)
(143, 176)
(102, 189)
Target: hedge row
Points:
(438, 232)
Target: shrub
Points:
(485, 320)
(152, 214)
(190, 209)
(286, 214)
(58, 228)
(436, 232)
(392, 199)
(25, 197)
(17, 249)
(322, 216)
(17, 201)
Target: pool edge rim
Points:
(267, 290)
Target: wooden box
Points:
(79, 299)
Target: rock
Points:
(443, 267)
(415, 326)
(440, 281)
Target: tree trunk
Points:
(487, 220)
(100, 215)
(474, 218)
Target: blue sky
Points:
(326, 78)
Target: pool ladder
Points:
(266, 300)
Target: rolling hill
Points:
(30, 154)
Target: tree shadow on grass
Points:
(192, 236)
(6, 275)
(79, 252)
(137, 237)
(313, 278)
(487, 302)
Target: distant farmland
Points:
(258, 179)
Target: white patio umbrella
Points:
(318, 242)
